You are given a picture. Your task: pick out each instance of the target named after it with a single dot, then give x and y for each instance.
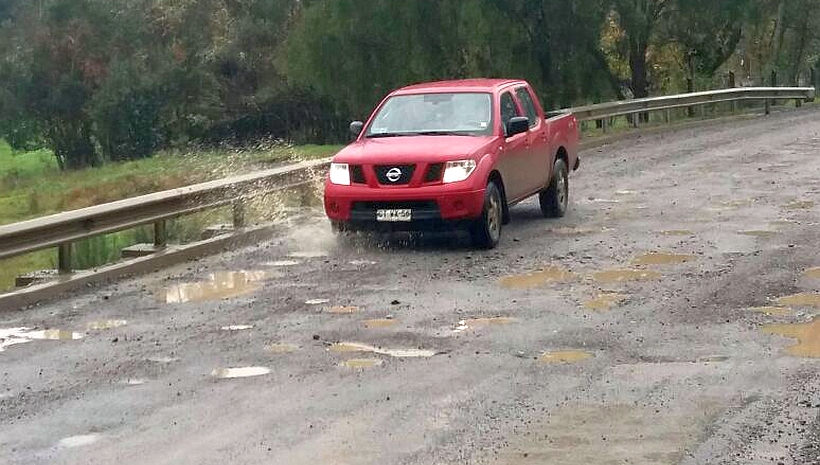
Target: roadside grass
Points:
(31, 186)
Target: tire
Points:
(339, 227)
(555, 198)
(486, 231)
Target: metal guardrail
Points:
(62, 229)
(602, 111)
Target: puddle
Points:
(807, 335)
(464, 325)
(221, 285)
(813, 273)
(800, 300)
(314, 254)
(564, 356)
(759, 233)
(283, 263)
(572, 231)
(536, 279)
(105, 324)
(79, 441)
(678, 232)
(362, 263)
(13, 336)
(317, 301)
(656, 258)
(362, 363)
(773, 311)
(783, 223)
(594, 200)
(799, 205)
(163, 360)
(605, 301)
(618, 276)
(626, 192)
(134, 381)
(344, 347)
(280, 348)
(379, 323)
(236, 328)
(713, 359)
(343, 310)
(244, 372)
(737, 203)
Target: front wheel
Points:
(486, 231)
(554, 199)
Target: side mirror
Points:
(518, 125)
(356, 128)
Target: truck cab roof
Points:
(463, 85)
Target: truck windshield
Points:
(467, 114)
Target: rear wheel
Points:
(554, 199)
(486, 231)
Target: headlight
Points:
(340, 174)
(455, 171)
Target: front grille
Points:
(395, 175)
(412, 205)
(357, 174)
(434, 172)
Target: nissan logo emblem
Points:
(393, 175)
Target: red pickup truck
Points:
(454, 153)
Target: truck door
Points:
(539, 158)
(513, 161)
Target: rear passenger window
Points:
(526, 101)
(508, 109)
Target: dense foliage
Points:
(98, 80)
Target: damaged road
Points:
(669, 318)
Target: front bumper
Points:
(428, 204)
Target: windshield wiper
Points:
(443, 133)
(390, 134)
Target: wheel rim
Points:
(494, 217)
(562, 189)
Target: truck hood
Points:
(413, 149)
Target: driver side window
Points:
(508, 110)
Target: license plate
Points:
(394, 216)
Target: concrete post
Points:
(64, 258)
(160, 235)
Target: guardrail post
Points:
(768, 109)
(64, 258)
(605, 124)
(239, 214)
(667, 116)
(160, 235)
(635, 117)
(732, 86)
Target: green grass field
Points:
(31, 185)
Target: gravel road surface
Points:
(667, 319)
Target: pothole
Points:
(243, 372)
(662, 258)
(536, 279)
(344, 347)
(105, 324)
(379, 323)
(759, 233)
(221, 285)
(678, 232)
(281, 348)
(800, 300)
(807, 335)
(617, 276)
(773, 311)
(362, 363)
(813, 273)
(800, 205)
(564, 356)
(78, 441)
(342, 309)
(236, 328)
(605, 301)
(472, 323)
